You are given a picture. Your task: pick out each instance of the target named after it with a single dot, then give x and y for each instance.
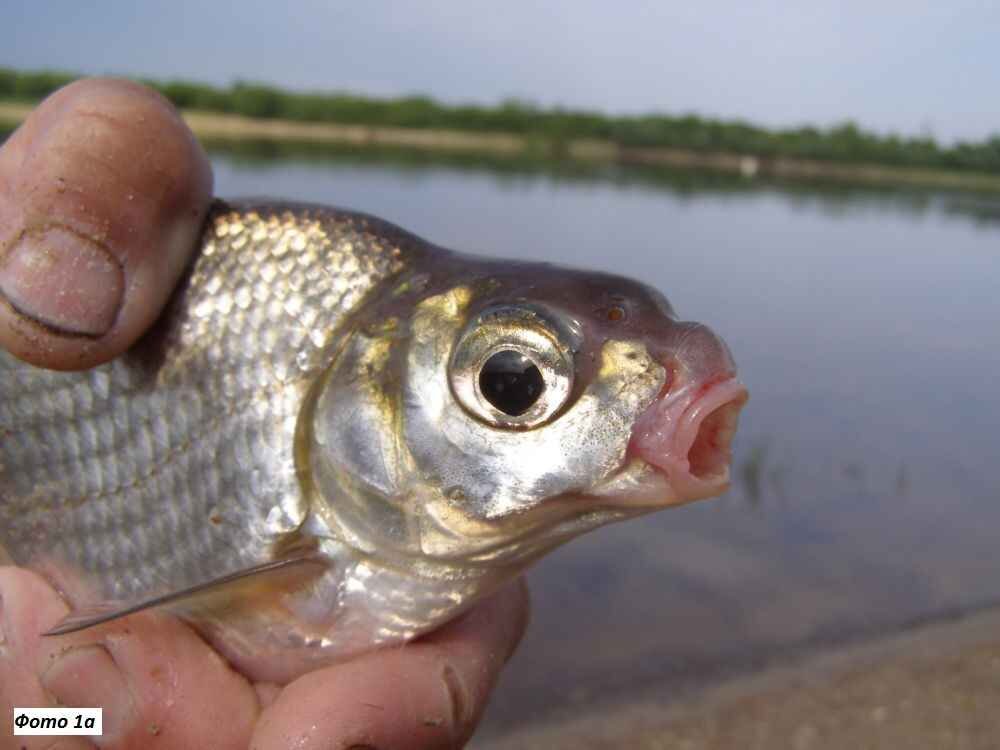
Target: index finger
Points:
(103, 190)
(428, 693)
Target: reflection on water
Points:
(865, 490)
(866, 493)
(508, 171)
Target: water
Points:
(866, 495)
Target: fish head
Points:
(487, 421)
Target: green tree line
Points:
(841, 143)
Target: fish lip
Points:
(694, 458)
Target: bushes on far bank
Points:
(845, 143)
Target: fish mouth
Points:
(686, 436)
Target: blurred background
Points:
(818, 182)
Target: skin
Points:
(102, 194)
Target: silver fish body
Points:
(339, 436)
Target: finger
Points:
(19, 626)
(103, 191)
(154, 678)
(429, 693)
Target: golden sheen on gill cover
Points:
(340, 436)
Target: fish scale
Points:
(301, 460)
(158, 454)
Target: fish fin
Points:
(86, 617)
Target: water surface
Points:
(866, 492)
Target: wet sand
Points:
(934, 686)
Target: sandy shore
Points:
(222, 127)
(934, 687)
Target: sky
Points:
(906, 66)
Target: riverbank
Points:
(221, 128)
(933, 687)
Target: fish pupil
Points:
(511, 382)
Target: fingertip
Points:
(152, 675)
(398, 698)
(28, 607)
(103, 191)
(429, 693)
(156, 680)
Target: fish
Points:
(339, 436)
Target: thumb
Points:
(103, 191)
(157, 683)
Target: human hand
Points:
(103, 191)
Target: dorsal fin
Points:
(86, 617)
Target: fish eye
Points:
(511, 382)
(511, 368)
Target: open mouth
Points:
(713, 421)
(687, 436)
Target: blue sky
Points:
(903, 65)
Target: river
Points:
(866, 494)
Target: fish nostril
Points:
(696, 354)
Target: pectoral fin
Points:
(288, 571)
